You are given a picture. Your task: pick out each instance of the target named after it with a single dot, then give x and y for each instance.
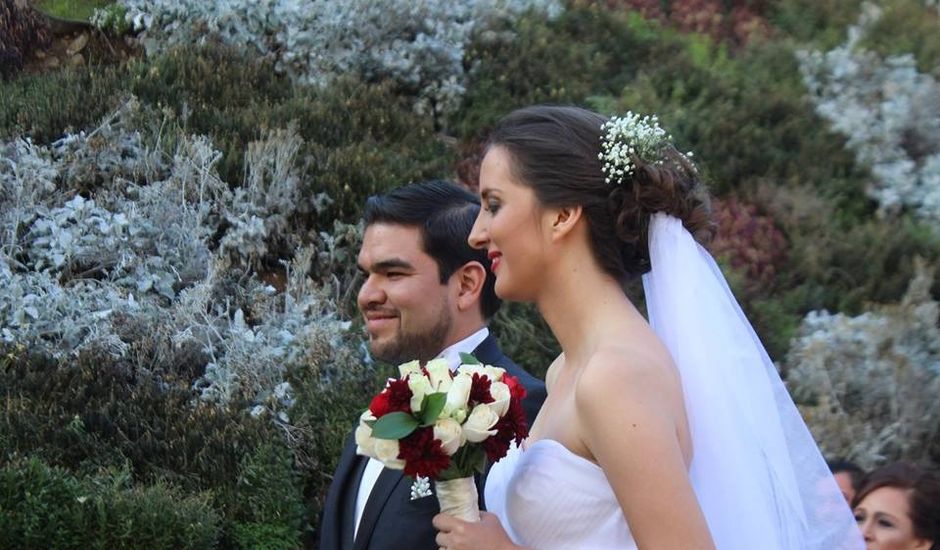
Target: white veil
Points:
(758, 475)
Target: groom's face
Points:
(406, 308)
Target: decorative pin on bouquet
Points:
(440, 426)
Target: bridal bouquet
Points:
(443, 426)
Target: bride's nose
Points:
(478, 235)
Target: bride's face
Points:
(509, 227)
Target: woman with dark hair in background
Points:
(898, 508)
(675, 432)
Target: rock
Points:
(51, 63)
(77, 60)
(78, 44)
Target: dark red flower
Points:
(395, 397)
(516, 417)
(516, 390)
(423, 455)
(480, 390)
(497, 445)
(512, 426)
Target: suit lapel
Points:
(382, 490)
(488, 351)
(347, 529)
(340, 506)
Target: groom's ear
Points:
(470, 278)
(564, 220)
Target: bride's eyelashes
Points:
(492, 206)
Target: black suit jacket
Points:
(391, 520)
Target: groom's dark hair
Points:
(444, 213)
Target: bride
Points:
(670, 433)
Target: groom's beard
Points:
(406, 345)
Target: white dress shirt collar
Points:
(467, 345)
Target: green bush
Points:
(265, 536)
(44, 106)
(834, 265)
(94, 413)
(38, 508)
(270, 507)
(47, 507)
(822, 22)
(360, 138)
(907, 26)
(586, 51)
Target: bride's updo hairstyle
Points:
(555, 150)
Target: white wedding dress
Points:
(547, 497)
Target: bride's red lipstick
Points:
(494, 260)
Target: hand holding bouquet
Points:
(437, 425)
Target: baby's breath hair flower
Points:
(627, 138)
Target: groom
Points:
(427, 294)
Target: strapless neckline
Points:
(549, 498)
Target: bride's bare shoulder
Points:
(624, 369)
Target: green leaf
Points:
(394, 425)
(469, 459)
(469, 359)
(432, 407)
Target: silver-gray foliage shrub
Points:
(418, 43)
(161, 257)
(868, 384)
(890, 113)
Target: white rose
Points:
(479, 424)
(470, 370)
(365, 443)
(501, 396)
(386, 450)
(494, 373)
(457, 395)
(410, 367)
(420, 386)
(450, 434)
(439, 373)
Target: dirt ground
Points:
(74, 44)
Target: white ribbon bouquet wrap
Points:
(459, 498)
(441, 426)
